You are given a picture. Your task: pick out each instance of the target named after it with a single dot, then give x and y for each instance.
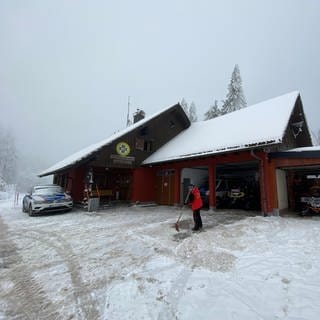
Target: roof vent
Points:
(138, 115)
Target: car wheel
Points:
(23, 208)
(30, 211)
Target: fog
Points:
(68, 67)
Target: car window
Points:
(48, 190)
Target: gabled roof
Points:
(258, 125)
(86, 153)
(261, 124)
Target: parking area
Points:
(131, 263)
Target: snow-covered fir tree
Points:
(184, 106)
(213, 111)
(191, 111)
(8, 156)
(235, 98)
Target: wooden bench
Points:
(102, 193)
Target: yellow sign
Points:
(123, 149)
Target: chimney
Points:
(138, 115)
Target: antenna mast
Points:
(128, 120)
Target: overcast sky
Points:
(68, 67)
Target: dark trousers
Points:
(197, 219)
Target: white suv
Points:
(46, 198)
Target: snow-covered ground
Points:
(130, 263)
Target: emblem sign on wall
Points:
(123, 149)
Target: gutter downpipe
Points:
(262, 185)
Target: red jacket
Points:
(196, 202)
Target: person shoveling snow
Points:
(195, 202)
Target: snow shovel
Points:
(176, 225)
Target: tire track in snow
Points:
(24, 297)
(86, 305)
(170, 311)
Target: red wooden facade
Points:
(146, 186)
(162, 183)
(148, 191)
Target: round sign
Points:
(123, 149)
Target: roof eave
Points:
(114, 137)
(215, 152)
(66, 167)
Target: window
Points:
(139, 144)
(171, 124)
(144, 145)
(148, 146)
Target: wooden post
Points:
(212, 185)
(177, 178)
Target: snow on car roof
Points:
(260, 124)
(47, 186)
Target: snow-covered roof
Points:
(264, 123)
(86, 152)
(301, 152)
(304, 149)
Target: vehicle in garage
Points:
(310, 201)
(46, 198)
(236, 192)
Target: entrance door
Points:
(122, 186)
(165, 187)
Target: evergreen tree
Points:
(235, 98)
(8, 156)
(191, 111)
(213, 111)
(185, 106)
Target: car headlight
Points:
(38, 200)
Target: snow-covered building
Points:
(255, 152)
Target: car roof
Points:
(46, 186)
